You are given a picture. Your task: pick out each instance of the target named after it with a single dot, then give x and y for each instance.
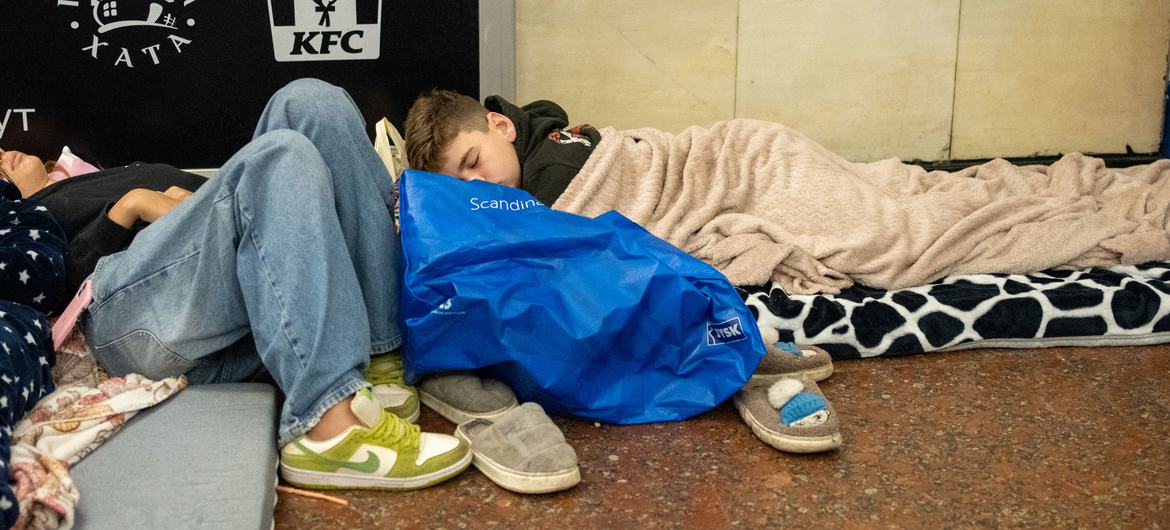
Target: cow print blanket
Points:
(1093, 307)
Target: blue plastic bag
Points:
(592, 318)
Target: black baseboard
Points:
(1111, 160)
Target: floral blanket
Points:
(86, 409)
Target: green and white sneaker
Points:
(384, 452)
(390, 389)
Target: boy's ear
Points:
(503, 124)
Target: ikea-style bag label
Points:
(592, 318)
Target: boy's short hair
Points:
(434, 120)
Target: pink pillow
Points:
(71, 164)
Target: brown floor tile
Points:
(1060, 437)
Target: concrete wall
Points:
(913, 79)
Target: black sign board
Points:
(183, 81)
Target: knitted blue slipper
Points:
(786, 359)
(790, 414)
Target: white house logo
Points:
(131, 33)
(325, 30)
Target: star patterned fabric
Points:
(32, 283)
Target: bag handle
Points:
(391, 148)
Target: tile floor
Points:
(1046, 438)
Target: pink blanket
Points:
(761, 202)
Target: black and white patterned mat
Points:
(1093, 307)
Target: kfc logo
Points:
(325, 30)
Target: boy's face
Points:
(485, 155)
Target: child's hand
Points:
(145, 205)
(177, 193)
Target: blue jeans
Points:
(288, 259)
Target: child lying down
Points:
(216, 279)
(761, 202)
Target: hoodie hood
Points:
(534, 122)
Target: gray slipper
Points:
(522, 451)
(785, 359)
(463, 396)
(790, 414)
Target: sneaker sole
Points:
(324, 480)
(458, 416)
(787, 442)
(816, 374)
(521, 481)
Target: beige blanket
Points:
(760, 202)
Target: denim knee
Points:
(281, 162)
(282, 153)
(308, 97)
(307, 89)
(281, 143)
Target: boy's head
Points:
(450, 133)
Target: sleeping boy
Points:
(762, 202)
(531, 148)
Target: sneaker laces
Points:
(386, 369)
(395, 431)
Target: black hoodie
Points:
(550, 155)
(82, 205)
